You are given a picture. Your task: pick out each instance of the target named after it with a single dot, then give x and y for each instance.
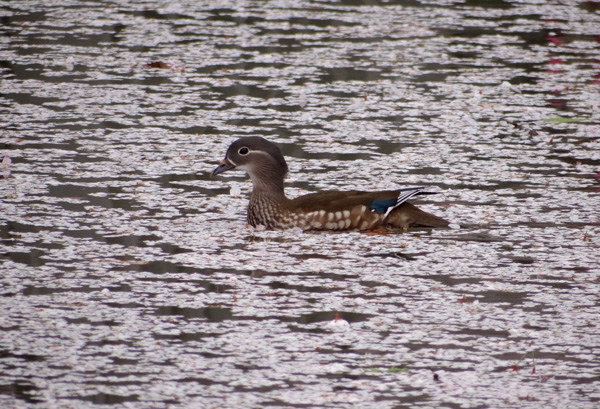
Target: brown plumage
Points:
(328, 210)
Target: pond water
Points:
(130, 279)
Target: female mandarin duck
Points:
(329, 210)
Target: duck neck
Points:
(269, 182)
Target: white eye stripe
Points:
(260, 153)
(249, 152)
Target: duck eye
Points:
(243, 151)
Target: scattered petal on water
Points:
(337, 324)
(507, 86)
(235, 190)
(336, 368)
(70, 63)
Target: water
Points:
(129, 276)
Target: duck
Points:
(330, 210)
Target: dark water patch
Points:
(108, 124)
(196, 380)
(584, 380)
(33, 258)
(156, 15)
(33, 290)
(477, 237)
(483, 333)
(541, 309)
(416, 346)
(336, 156)
(123, 361)
(185, 337)
(200, 130)
(398, 255)
(431, 77)
(333, 276)
(500, 4)
(321, 316)
(10, 229)
(108, 380)
(321, 22)
(131, 240)
(253, 122)
(310, 256)
(387, 147)
(5, 354)
(41, 245)
(35, 71)
(302, 288)
(522, 259)
(22, 390)
(127, 305)
(284, 108)
(28, 144)
(106, 399)
(224, 15)
(28, 98)
(87, 321)
(501, 297)
(169, 248)
(575, 161)
(249, 90)
(153, 79)
(284, 46)
(449, 280)
(17, 16)
(80, 191)
(233, 65)
(155, 267)
(349, 74)
(197, 284)
(554, 284)
(216, 313)
(164, 267)
(69, 35)
(380, 3)
(127, 240)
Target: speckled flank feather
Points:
(264, 210)
(328, 210)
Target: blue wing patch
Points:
(382, 205)
(386, 206)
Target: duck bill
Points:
(223, 167)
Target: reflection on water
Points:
(129, 276)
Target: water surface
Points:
(129, 276)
